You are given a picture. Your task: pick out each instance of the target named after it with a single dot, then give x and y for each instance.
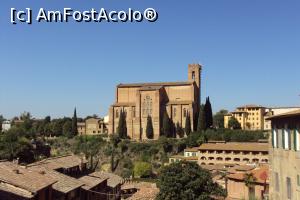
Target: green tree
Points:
(67, 129)
(74, 123)
(167, 126)
(187, 180)
(250, 180)
(187, 124)
(1, 121)
(57, 127)
(233, 123)
(208, 114)
(47, 120)
(14, 145)
(219, 118)
(90, 146)
(201, 125)
(142, 169)
(149, 128)
(179, 130)
(122, 127)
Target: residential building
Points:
(114, 183)
(255, 117)
(239, 153)
(276, 111)
(285, 156)
(140, 100)
(6, 125)
(190, 154)
(251, 117)
(256, 187)
(94, 188)
(92, 126)
(60, 178)
(19, 183)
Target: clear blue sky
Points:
(250, 51)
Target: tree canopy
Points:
(186, 180)
(233, 123)
(142, 169)
(219, 118)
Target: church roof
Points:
(147, 88)
(155, 84)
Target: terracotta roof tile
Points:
(113, 179)
(91, 182)
(64, 162)
(21, 177)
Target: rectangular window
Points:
(274, 138)
(285, 139)
(298, 180)
(133, 111)
(289, 188)
(297, 141)
(276, 182)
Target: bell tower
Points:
(194, 74)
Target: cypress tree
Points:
(122, 128)
(125, 125)
(149, 128)
(179, 130)
(201, 119)
(208, 114)
(74, 123)
(167, 128)
(187, 124)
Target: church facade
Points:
(140, 100)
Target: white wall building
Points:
(6, 125)
(276, 111)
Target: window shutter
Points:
(289, 139)
(277, 138)
(273, 138)
(295, 140)
(283, 139)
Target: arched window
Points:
(174, 112)
(203, 158)
(117, 113)
(193, 75)
(147, 106)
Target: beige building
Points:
(92, 126)
(239, 190)
(236, 153)
(285, 156)
(254, 117)
(276, 111)
(140, 100)
(251, 117)
(190, 154)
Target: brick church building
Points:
(140, 100)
